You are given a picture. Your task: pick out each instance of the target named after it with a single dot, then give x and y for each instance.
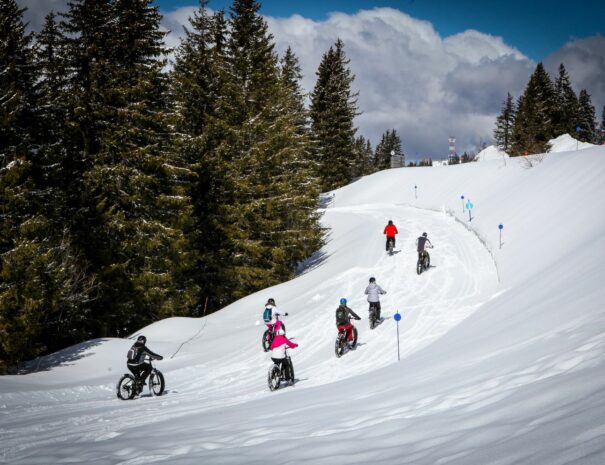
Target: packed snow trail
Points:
(218, 360)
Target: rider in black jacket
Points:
(137, 364)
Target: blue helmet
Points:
(343, 301)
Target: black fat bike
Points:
(129, 387)
(277, 374)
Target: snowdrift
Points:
(501, 341)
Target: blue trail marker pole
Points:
(469, 207)
(397, 317)
(462, 199)
(500, 227)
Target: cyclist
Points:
(390, 230)
(373, 291)
(270, 313)
(137, 364)
(421, 243)
(278, 354)
(343, 319)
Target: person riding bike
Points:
(136, 363)
(278, 354)
(343, 319)
(373, 291)
(390, 230)
(421, 243)
(270, 313)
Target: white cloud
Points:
(410, 78)
(425, 86)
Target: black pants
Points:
(285, 365)
(376, 305)
(421, 254)
(140, 371)
(390, 239)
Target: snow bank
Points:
(491, 153)
(566, 143)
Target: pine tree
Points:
(42, 275)
(363, 156)
(586, 119)
(127, 218)
(333, 108)
(389, 153)
(533, 126)
(504, 125)
(566, 107)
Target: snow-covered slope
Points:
(501, 348)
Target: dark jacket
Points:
(142, 352)
(348, 314)
(421, 242)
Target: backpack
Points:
(267, 315)
(341, 316)
(133, 353)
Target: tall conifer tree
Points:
(586, 119)
(566, 110)
(333, 108)
(533, 126)
(504, 125)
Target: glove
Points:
(358, 318)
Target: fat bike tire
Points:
(126, 387)
(274, 378)
(266, 342)
(156, 383)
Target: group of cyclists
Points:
(280, 343)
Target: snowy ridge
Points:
(501, 348)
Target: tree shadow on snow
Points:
(61, 358)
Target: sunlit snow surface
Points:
(502, 349)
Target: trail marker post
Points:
(462, 199)
(397, 318)
(415, 192)
(469, 207)
(578, 129)
(500, 227)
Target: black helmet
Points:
(424, 234)
(142, 339)
(271, 301)
(390, 221)
(372, 280)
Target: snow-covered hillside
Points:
(502, 349)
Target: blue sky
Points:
(536, 28)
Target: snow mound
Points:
(566, 143)
(491, 153)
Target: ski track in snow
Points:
(462, 276)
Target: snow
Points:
(491, 153)
(501, 347)
(566, 143)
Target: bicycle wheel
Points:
(273, 378)
(339, 346)
(266, 340)
(354, 342)
(427, 261)
(419, 266)
(156, 383)
(126, 389)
